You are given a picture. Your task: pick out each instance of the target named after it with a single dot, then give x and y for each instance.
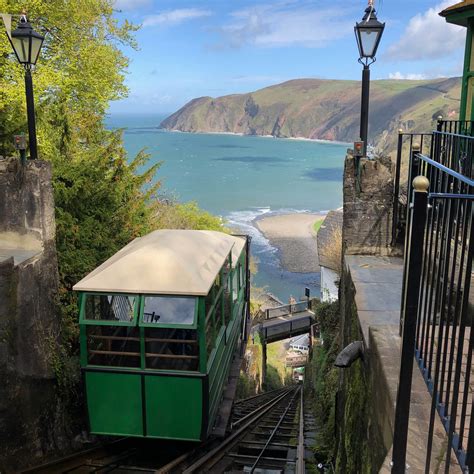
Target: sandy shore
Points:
(294, 236)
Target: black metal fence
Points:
(463, 127)
(406, 141)
(437, 302)
(287, 309)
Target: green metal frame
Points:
(100, 322)
(168, 325)
(467, 75)
(465, 18)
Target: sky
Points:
(191, 48)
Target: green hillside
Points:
(323, 109)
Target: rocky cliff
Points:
(323, 109)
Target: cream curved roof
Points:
(172, 262)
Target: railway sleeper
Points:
(266, 434)
(274, 451)
(284, 425)
(265, 461)
(262, 444)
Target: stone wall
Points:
(367, 222)
(30, 413)
(365, 410)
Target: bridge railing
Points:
(437, 302)
(287, 309)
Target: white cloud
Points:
(410, 76)
(128, 5)
(428, 36)
(175, 17)
(285, 24)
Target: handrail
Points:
(445, 169)
(451, 134)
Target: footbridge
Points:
(281, 323)
(285, 321)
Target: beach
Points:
(293, 235)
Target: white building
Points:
(300, 344)
(331, 226)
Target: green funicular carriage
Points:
(160, 322)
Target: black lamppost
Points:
(368, 34)
(26, 44)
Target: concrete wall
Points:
(367, 221)
(30, 416)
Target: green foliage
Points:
(324, 378)
(273, 379)
(246, 387)
(187, 216)
(81, 69)
(103, 198)
(353, 454)
(317, 225)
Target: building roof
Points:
(302, 340)
(171, 262)
(460, 7)
(332, 222)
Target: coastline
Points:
(301, 139)
(294, 237)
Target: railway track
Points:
(267, 438)
(265, 433)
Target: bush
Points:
(323, 377)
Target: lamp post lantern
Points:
(26, 44)
(368, 34)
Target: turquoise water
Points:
(241, 178)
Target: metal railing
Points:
(464, 127)
(404, 152)
(437, 307)
(287, 309)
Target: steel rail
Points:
(300, 464)
(46, 467)
(272, 434)
(254, 397)
(219, 452)
(249, 415)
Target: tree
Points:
(102, 201)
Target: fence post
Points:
(396, 188)
(412, 171)
(439, 123)
(413, 264)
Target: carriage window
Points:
(110, 308)
(169, 310)
(235, 284)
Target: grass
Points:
(276, 357)
(317, 225)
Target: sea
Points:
(241, 179)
